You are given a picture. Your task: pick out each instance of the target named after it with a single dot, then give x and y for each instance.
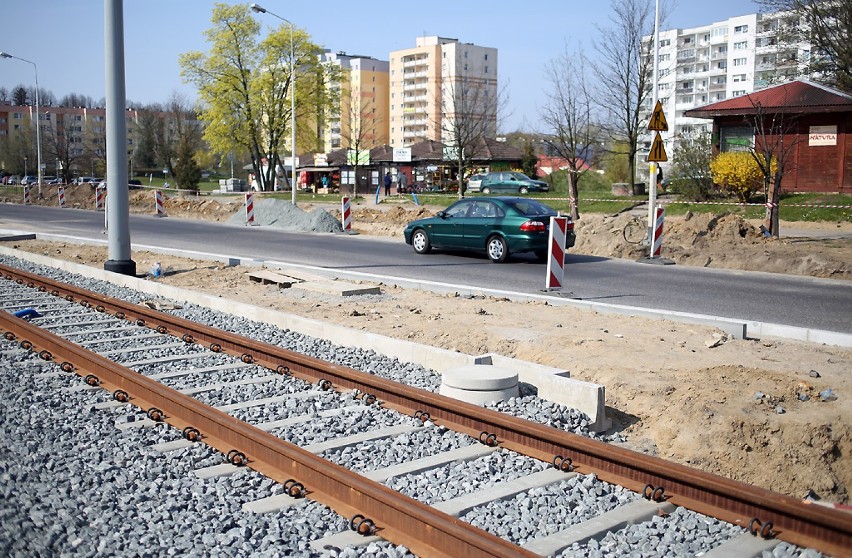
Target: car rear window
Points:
(530, 207)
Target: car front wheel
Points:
(486, 190)
(420, 242)
(523, 190)
(497, 248)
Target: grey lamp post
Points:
(38, 114)
(261, 10)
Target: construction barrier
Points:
(61, 196)
(346, 215)
(158, 202)
(250, 210)
(26, 195)
(657, 232)
(556, 253)
(100, 195)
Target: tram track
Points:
(762, 511)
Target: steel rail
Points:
(762, 511)
(397, 518)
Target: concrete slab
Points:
(170, 345)
(466, 453)
(219, 368)
(216, 471)
(341, 540)
(272, 504)
(144, 423)
(162, 360)
(479, 397)
(111, 404)
(221, 385)
(744, 546)
(337, 288)
(266, 277)
(122, 338)
(345, 441)
(595, 528)
(255, 403)
(480, 377)
(275, 424)
(500, 491)
(165, 447)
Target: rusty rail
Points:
(827, 530)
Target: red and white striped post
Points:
(346, 212)
(100, 194)
(158, 202)
(61, 196)
(556, 253)
(26, 195)
(657, 232)
(250, 210)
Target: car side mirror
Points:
(441, 214)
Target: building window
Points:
(740, 61)
(665, 42)
(739, 77)
(742, 45)
(486, 69)
(722, 65)
(665, 57)
(719, 31)
(486, 56)
(741, 29)
(739, 92)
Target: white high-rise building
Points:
(714, 62)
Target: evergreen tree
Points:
(187, 172)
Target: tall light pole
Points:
(38, 114)
(261, 10)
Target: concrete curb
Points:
(584, 396)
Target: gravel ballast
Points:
(73, 484)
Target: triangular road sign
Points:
(658, 151)
(658, 119)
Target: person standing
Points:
(387, 183)
(401, 182)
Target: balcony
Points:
(718, 86)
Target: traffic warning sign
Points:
(658, 120)
(658, 151)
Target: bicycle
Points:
(636, 230)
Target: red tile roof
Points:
(793, 97)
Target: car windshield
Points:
(530, 207)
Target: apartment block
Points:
(722, 60)
(440, 79)
(361, 119)
(67, 133)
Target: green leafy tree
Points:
(529, 160)
(187, 173)
(244, 87)
(690, 172)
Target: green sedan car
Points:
(498, 226)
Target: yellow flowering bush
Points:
(737, 173)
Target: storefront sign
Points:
(401, 154)
(822, 135)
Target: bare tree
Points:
(568, 114)
(624, 71)
(469, 111)
(775, 139)
(827, 26)
(358, 126)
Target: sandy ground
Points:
(751, 410)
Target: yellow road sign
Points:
(658, 151)
(658, 120)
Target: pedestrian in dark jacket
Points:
(387, 183)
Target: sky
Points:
(65, 38)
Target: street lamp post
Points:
(261, 10)
(37, 114)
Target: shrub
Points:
(738, 174)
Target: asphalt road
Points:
(791, 300)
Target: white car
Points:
(474, 183)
